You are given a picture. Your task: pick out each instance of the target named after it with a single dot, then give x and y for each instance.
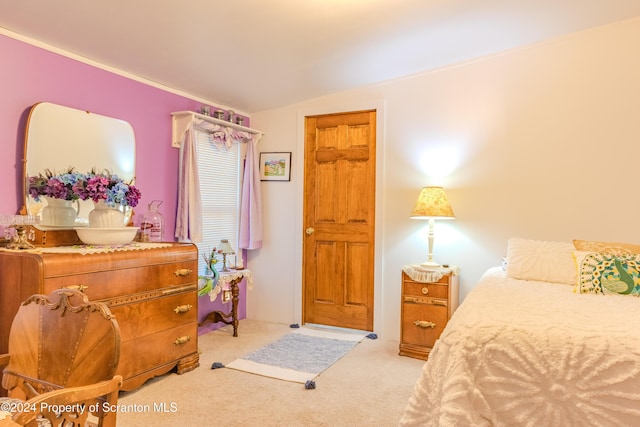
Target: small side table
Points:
(229, 280)
(429, 298)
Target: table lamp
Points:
(432, 204)
(225, 249)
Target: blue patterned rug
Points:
(299, 356)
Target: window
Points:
(220, 172)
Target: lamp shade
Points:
(432, 203)
(225, 247)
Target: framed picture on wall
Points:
(275, 166)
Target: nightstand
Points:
(429, 298)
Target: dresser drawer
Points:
(151, 315)
(148, 352)
(101, 285)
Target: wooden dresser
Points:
(426, 309)
(152, 292)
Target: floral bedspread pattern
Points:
(526, 353)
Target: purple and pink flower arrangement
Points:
(94, 186)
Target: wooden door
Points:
(339, 213)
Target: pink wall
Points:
(30, 74)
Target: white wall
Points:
(542, 143)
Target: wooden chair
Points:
(63, 355)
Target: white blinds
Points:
(220, 170)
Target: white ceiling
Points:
(255, 55)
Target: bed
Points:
(549, 340)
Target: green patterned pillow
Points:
(604, 273)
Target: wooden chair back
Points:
(62, 341)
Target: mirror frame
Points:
(59, 137)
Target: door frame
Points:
(298, 163)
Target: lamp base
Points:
(431, 264)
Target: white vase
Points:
(58, 213)
(104, 216)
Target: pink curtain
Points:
(251, 205)
(189, 211)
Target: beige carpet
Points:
(370, 386)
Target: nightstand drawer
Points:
(422, 324)
(432, 290)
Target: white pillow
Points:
(540, 260)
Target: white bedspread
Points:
(525, 353)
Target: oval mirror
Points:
(58, 138)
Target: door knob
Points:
(309, 231)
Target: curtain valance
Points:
(220, 130)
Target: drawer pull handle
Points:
(182, 308)
(183, 272)
(419, 300)
(182, 340)
(424, 324)
(79, 288)
(425, 290)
